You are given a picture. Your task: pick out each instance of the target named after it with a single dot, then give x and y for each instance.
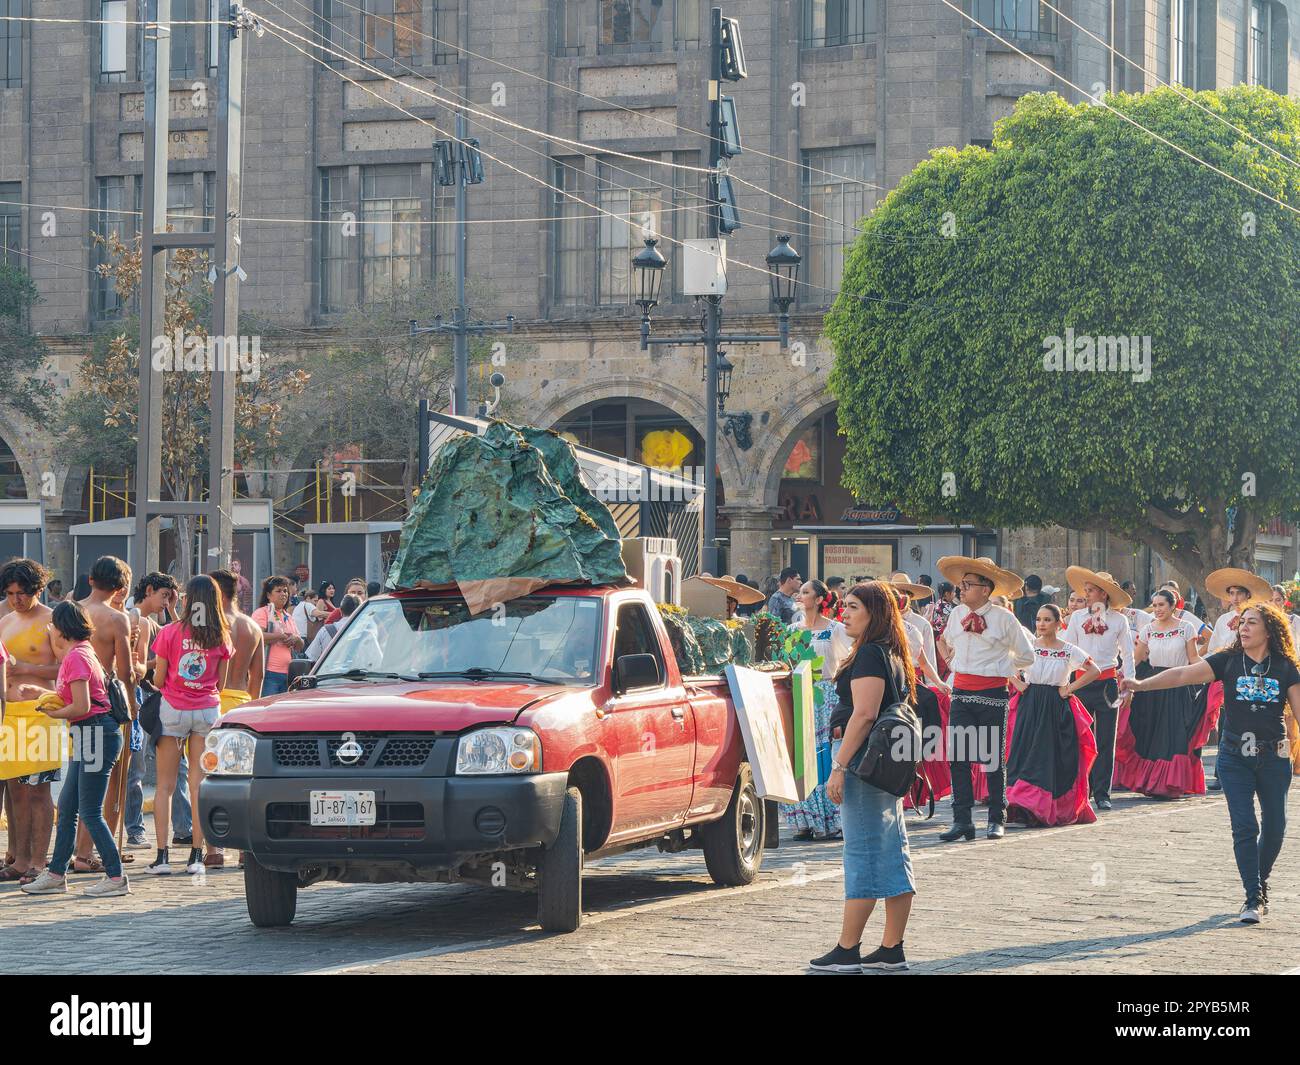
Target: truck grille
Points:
(378, 752)
(393, 820)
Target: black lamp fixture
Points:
(783, 274)
(725, 368)
(648, 265)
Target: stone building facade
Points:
(844, 98)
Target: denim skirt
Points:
(877, 861)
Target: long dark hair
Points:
(884, 627)
(1278, 628)
(203, 603)
(321, 592)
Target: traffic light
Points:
(729, 145)
(733, 52)
(473, 162)
(446, 161)
(728, 214)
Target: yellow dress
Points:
(30, 741)
(233, 697)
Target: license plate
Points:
(342, 807)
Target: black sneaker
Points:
(839, 960)
(889, 958)
(1250, 913)
(183, 841)
(1213, 784)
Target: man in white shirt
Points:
(985, 645)
(923, 634)
(1102, 629)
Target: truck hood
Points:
(366, 706)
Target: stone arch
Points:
(688, 406)
(33, 460)
(782, 432)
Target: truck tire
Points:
(733, 845)
(559, 872)
(272, 897)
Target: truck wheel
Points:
(733, 845)
(559, 872)
(272, 897)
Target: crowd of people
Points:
(1040, 713)
(96, 687)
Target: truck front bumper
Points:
(426, 823)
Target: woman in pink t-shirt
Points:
(281, 634)
(191, 659)
(96, 742)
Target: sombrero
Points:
(741, 593)
(954, 567)
(1078, 576)
(1218, 583)
(916, 591)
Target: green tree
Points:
(23, 364)
(959, 291)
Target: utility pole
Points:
(222, 244)
(709, 562)
(458, 162)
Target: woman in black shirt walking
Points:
(1260, 679)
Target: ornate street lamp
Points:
(783, 269)
(724, 380)
(648, 265)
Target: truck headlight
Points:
(228, 752)
(506, 749)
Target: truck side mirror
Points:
(635, 671)
(299, 667)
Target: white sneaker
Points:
(196, 868)
(108, 887)
(1250, 912)
(46, 884)
(158, 869)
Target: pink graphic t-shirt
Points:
(81, 663)
(192, 671)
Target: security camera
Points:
(497, 379)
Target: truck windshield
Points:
(551, 638)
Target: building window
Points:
(214, 36)
(390, 231)
(444, 234)
(11, 223)
(569, 20)
(11, 45)
(183, 214)
(569, 280)
(830, 22)
(391, 28)
(687, 29)
(625, 189)
(446, 31)
(337, 242)
(110, 217)
(1026, 19)
(112, 40)
(1184, 43)
(1259, 62)
(185, 63)
(632, 26)
(837, 193)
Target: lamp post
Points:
(648, 266)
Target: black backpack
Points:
(889, 758)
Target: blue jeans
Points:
(95, 747)
(1255, 843)
(182, 823)
(275, 683)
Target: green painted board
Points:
(805, 737)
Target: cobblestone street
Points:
(1151, 888)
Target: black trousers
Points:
(1096, 698)
(977, 721)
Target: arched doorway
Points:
(12, 483)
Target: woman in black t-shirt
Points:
(1260, 679)
(877, 862)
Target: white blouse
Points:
(1167, 647)
(1002, 647)
(1052, 665)
(833, 643)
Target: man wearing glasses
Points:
(985, 645)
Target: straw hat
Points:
(1218, 583)
(741, 593)
(916, 591)
(954, 567)
(1078, 576)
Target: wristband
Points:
(836, 765)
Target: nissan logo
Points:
(350, 751)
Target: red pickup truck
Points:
(430, 745)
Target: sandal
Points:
(93, 864)
(10, 872)
(29, 877)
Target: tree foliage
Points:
(23, 358)
(1076, 219)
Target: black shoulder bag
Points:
(888, 758)
(119, 709)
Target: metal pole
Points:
(713, 318)
(460, 399)
(153, 287)
(224, 328)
